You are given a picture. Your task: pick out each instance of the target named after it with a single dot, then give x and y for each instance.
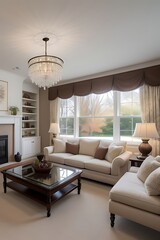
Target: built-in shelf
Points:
(29, 114)
(30, 134)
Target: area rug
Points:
(75, 217)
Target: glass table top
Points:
(55, 176)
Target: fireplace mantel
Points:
(16, 121)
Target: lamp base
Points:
(54, 136)
(145, 148)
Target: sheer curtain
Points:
(150, 106)
(54, 112)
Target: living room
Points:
(100, 42)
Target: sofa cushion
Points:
(58, 157)
(113, 152)
(157, 158)
(88, 147)
(148, 166)
(72, 148)
(102, 166)
(152, 183)
(59, 146)
(77, 160)
(100, 153)
(130, 191)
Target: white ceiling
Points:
(93, 37)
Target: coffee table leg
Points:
(4, 183)
(49, 207)
(48, 212)
(79, 185)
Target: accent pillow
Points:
(152, 183)
(59, 146)
(157, 158)
(88, 147)
(113, 152)
(100, 153)
(148, 166)
(72, 148)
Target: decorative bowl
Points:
(42, 167)
(40, 157)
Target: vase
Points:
(17, 157)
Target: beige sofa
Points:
(136, 196)
(100, 160)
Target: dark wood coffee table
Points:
(45, 188)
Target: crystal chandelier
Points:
(45, 70)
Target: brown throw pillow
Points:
(100, 153)
(72, 148)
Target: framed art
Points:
(3, 96)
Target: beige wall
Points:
(44, 118)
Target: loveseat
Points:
(100, 160)
(136, 196)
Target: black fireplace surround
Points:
(3, 149)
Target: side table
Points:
(135, 161)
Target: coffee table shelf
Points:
(39, 196)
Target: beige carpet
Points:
(77, 217)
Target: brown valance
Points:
(65, 91)
(126, 81)
(152, 76)
(83, 88)
(102, 84)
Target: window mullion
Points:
(116, 119)
(76, 116)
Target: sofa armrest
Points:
(48, 150)
(120, 164)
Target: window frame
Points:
(116, 119)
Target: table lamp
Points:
(54, 129)
(145, 131)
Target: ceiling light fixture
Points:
(45, 70)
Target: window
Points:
(96, 115)
(112, 115)
(67, 112)
(129, 113)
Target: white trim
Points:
(16, 121)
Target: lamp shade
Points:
(145, 131)
(54, 128)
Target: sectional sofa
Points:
(101, 160)
(136, 195)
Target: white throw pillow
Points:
(148, 166)
(152, 183)
(157, 158)
(59, 146)
(113, 152)
(88, 147)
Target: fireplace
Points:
(3, 149)
(10, 125)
